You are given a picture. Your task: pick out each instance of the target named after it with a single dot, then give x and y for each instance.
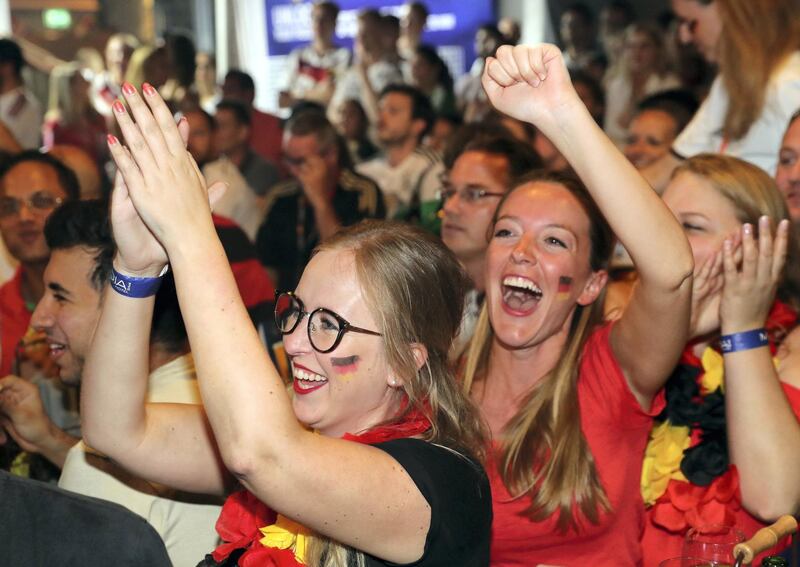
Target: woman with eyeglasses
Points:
(569, 400)
(756, 47)
(374, 459)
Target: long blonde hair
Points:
(415, 287)
(544, 452)
(753, 193)
(755, 40)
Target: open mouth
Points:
(520, 295)
(305, 381)
(56, 349)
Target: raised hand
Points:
(749, 289)
(530, 83)
(163, 182)
(138, 250)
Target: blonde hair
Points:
(753, 193)
(755, 40)
(415, 287)
(656, 36)
(544, 453)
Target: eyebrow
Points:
(551, 225)
(693, 214)
(467, 186)
(58, 288)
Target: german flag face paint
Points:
(345, 366)
(564, 287)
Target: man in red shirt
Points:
(266, 131)
(31, 186)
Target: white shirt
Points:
(416, 179)
(186, 525)
(312, 76)
(239, 202)
(761, 144)
(22, 113)
(380, 75)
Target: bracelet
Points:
(744, 341)
(133, 286)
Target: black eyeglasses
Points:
(325, 328)
(39, 201)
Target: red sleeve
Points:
(793, 395)
(604, 385)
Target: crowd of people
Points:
(539, 314)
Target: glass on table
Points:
(713, 543)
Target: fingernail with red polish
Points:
(148, 89)
(128, 89)
(112, 140)
(118, 107)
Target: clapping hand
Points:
(749, 288)
(159, 181)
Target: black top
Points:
(289, 232)
(457, 490)
(42, 526)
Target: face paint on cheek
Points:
(345, 366)
(564, 287)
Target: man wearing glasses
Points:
(323, 195)
(471, 190)
(31, 186)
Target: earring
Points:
(393, 382)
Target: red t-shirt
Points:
(14, 320)
(616, 429)
(266, 136)
(659, 544)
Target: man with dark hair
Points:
(479, 177)
(312, 70)
(233, 131)
(324, 194)
(79, 235)
(19, 109)
(265, 129)
(578, 36)
(31, 186)
(407, 172)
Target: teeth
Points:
(308, 376)
(522, 283)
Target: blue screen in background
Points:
(451, 25)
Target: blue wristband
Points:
(132, 286)
(744, 341)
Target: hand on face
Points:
(164, 185)
(313, 175)
(706, 288)
(529, 83)
(749, 288)
(22, 414)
